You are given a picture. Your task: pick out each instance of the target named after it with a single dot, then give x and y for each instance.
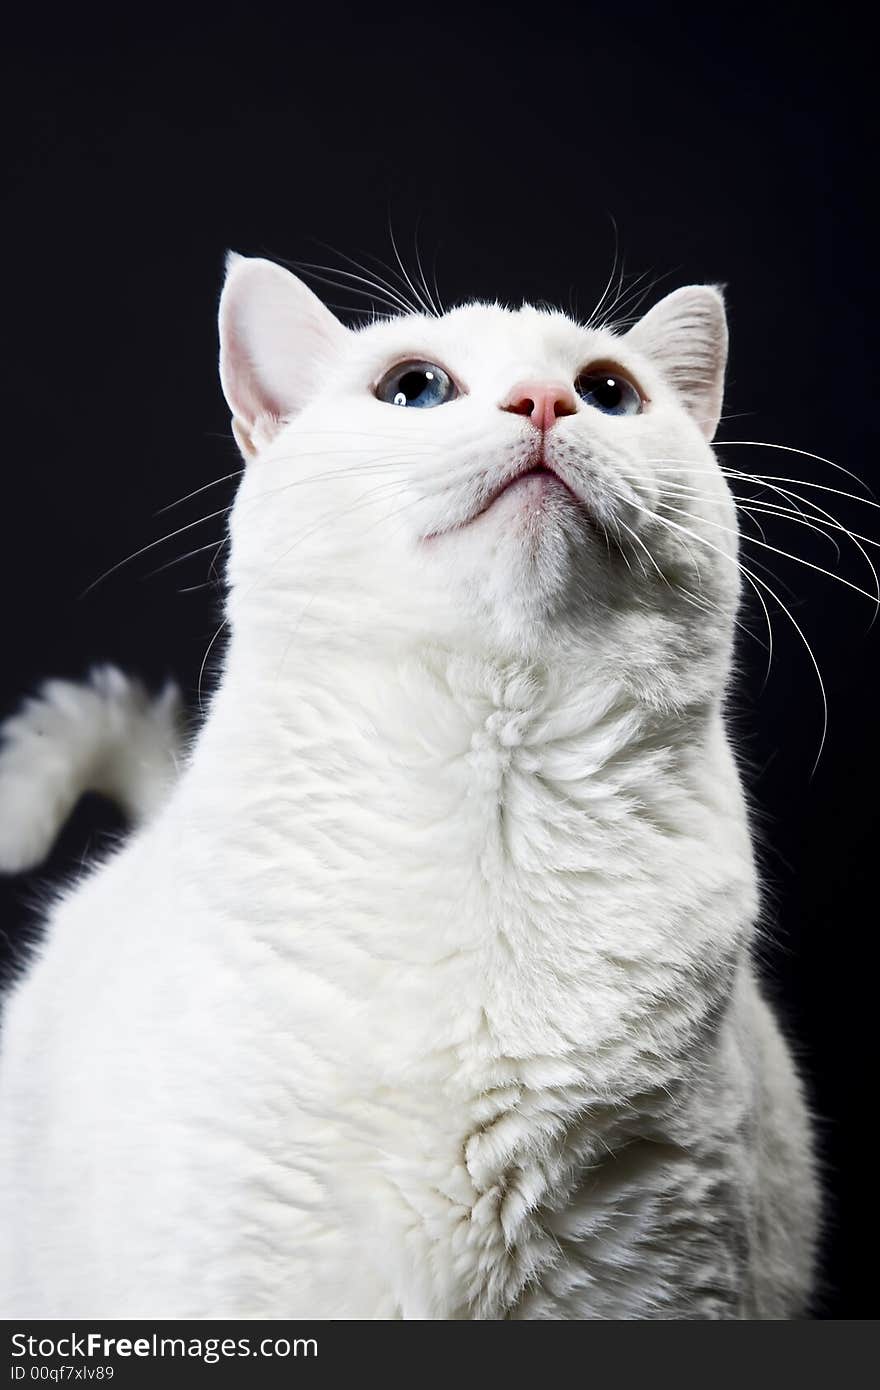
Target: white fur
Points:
(427, 991)
(107, 736)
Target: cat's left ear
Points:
(276, 341)
(685, 335)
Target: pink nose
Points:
(542, 401)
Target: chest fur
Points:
(495, 926)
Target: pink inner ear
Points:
(276, 341)
(685, 335)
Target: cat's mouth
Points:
(542, 473)
(539, 477)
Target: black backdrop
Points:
(733, 148)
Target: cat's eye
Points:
(608, 390)
(419, 384)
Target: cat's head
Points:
(503, 480)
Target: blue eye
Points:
(608, 391)
(419, 384)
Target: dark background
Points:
(733, 149)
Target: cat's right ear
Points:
(276, 341)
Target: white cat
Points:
(426, 989)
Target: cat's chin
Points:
(526, 566)
(534, 520)
(529, 499)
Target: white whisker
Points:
(788, 449)
(418, 297)
(744, 570)
(789, 555)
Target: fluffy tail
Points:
(108, 735)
